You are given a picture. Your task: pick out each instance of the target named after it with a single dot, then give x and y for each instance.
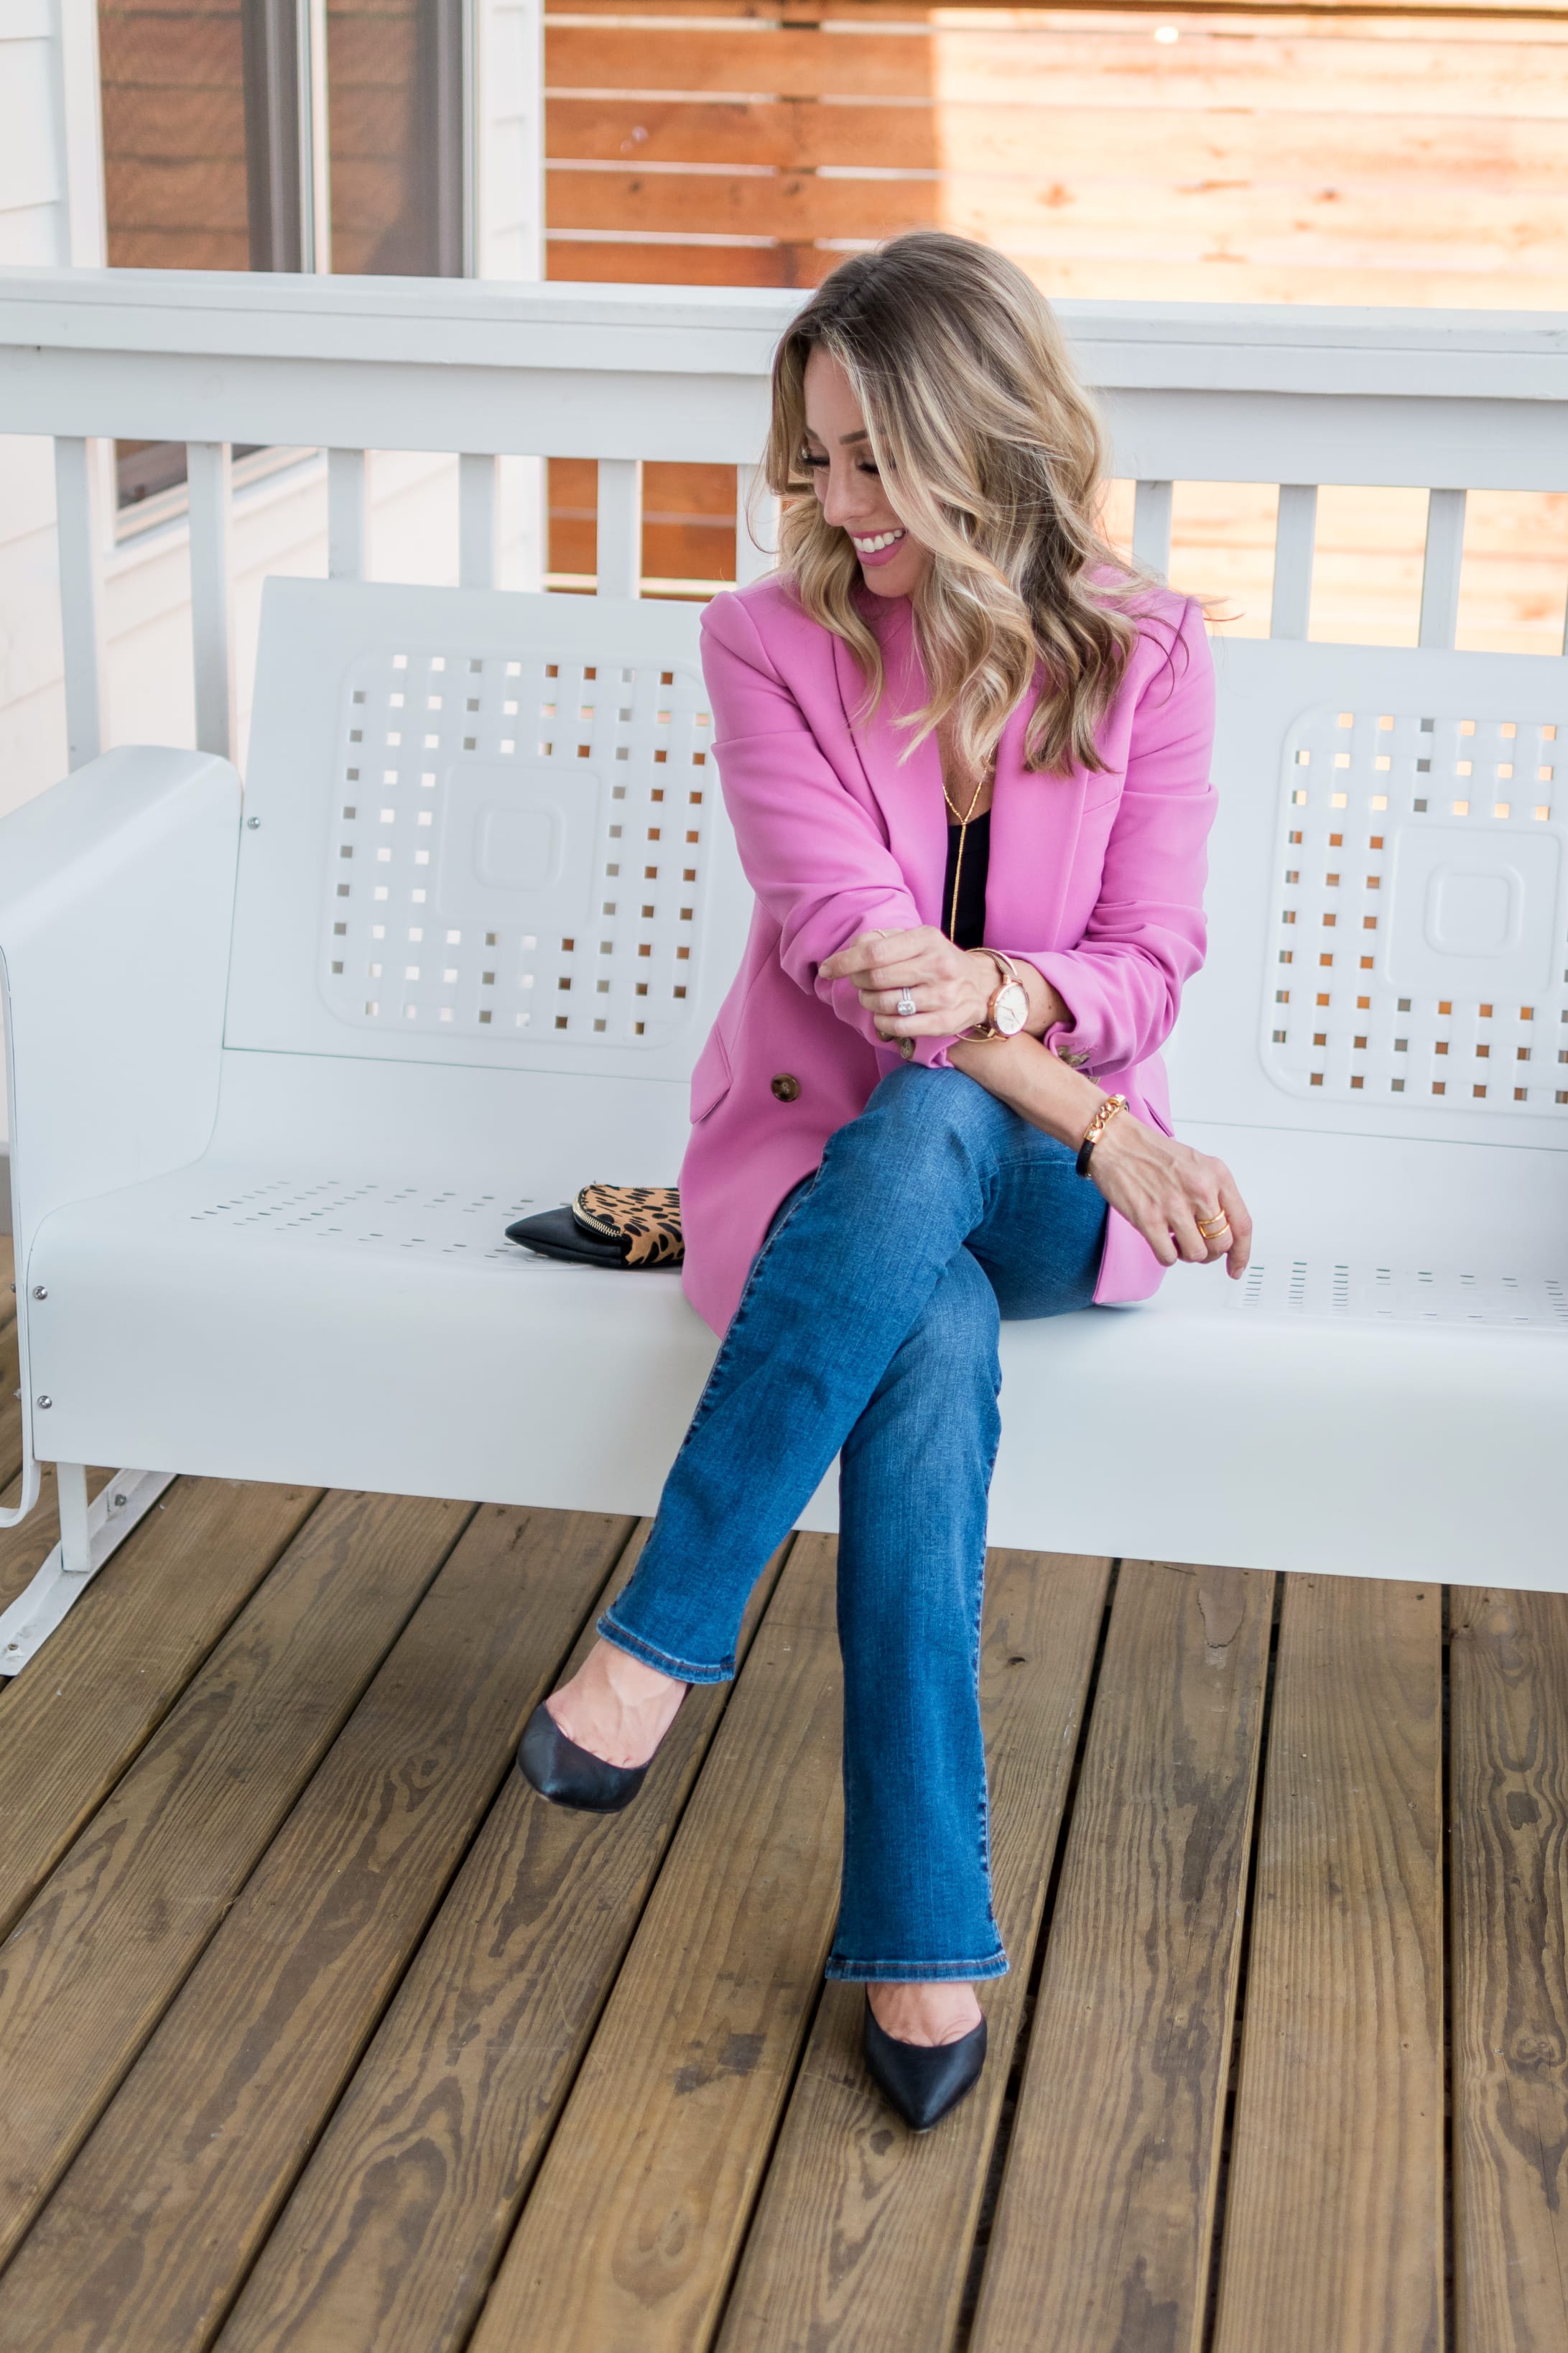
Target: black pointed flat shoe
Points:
(922, 2080)
(570, 1776)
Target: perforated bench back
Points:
(482, 828)
(1388, 898)
(490, 836)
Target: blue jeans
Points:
(868, 1326)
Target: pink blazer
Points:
(1096, 879)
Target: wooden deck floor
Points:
(319, 2033)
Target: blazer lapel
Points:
(1034, 818)
(1034, 839)
(905, 785)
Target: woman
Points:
(965, 753)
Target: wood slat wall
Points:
(1251, 156)
(1259, 156)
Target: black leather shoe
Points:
(570, 1776)
(923, 2080)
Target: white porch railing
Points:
(1444, 402)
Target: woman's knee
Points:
(961, 1322)
(945, 1376)
(931, 1117)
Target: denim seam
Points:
(924, 1972)
(634, 1644)
(718, 1364)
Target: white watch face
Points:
(1010, 1007)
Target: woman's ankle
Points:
(928, 2014)
(616, 1708)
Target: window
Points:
(280, 134)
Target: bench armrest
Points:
(116, 907)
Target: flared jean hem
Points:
(684, 1669)
(842, 1972)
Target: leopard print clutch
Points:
(645, 1219)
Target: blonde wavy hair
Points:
(991, 454)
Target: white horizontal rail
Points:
(1454, 400)
(1194, 392)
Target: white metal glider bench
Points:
(282, 1069)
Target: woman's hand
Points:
(952, 987)
(1172, 1193)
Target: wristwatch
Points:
(1008, 1009)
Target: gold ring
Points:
(1209, 1227)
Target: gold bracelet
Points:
(1096, 1129)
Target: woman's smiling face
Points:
(848, 487)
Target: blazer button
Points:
(786, 1086)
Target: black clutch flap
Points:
(608, 1225)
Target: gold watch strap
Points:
(1008, 970)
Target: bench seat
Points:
(263, 1165)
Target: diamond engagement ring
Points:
(906, 1004)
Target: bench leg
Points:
(89, 1534)
(76, 1545)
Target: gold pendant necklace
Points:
(963, 824)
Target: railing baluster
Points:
(345, 514)
(1152, 526)
(1295, 542)
(619, 555)
(1440, 574)
(209, 472)
(75, 509)
(477, 480)
(756, 519)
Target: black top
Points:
(967, 930)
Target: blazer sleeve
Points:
(812, 853)
(1146, 936)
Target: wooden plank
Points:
(1508, 1833)
(398, 2221)
(152, 2230)
(629, 2239)
(109, 1938)
(1108, 217)
(79, 1711)
(10, 1402)
(863, 2232)
(1327, 67)
(1031, 140)
(629, 264)
(1474, 20)
(7, 1263)
(1101, 2238)
(1333, 2228)
(788, 134)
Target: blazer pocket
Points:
(710, 1080)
